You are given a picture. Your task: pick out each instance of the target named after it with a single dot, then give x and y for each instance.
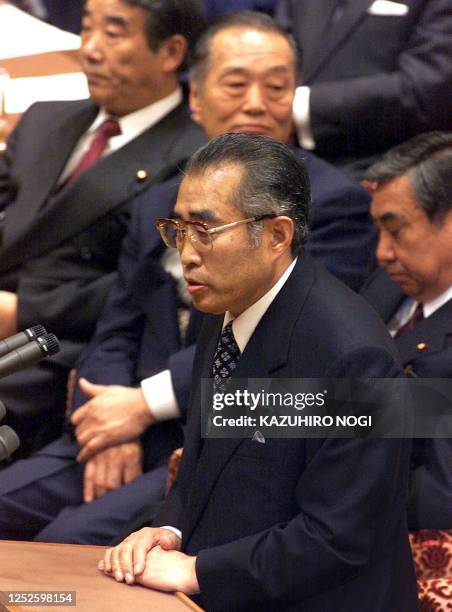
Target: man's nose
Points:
(254, 100)
(385, 250)
(189, 256)
(91, 47)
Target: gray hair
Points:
(427, 158)
(274, 181)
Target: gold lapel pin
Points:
(141, 175)
(421, 346)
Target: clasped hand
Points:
(152, 558)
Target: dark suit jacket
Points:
(430, 500)
(375, 80)
(59, 252)
(305, 525)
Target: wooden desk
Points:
(34, 566)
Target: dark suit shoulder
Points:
(383, 294)
(334, 323)
(344, 306)
(59, 109)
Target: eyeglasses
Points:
(174, 231)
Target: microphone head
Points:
(35, 332)
(9, 442)
(49, 344)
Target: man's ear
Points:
(282, 231)
(173, 50)
(195, 105)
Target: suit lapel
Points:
(55, 147)
(428, 336)
(263, 357)
(99, 190)
(384, 295)
(326, 40)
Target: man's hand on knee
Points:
(112, 468)
(115, 414)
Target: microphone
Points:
(29, 354)
(9, 442)
(14, 342)
(2, 410)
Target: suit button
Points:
(2, 215)
(85, 253)
(141, 176)
(422, 346)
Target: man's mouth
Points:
(193, 286)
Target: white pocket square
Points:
(388, 8)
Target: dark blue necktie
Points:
(225, 359)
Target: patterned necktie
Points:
(417, 316)
(225, 359)
(107, 129)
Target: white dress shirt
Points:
(131, 125)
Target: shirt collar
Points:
(245, 324)
(409, 305)
(137, 122)
(433, 305)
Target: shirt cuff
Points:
(302, 117)
(160, 397)
(175, 530)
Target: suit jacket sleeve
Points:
(408, 99)
(430, 487)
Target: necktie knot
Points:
(418, 315)
(225, 359)
(109, 128)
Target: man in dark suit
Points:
(63, 216)
(138, 332)
(372, 74)
(273, 524)
(412, 207)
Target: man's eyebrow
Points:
(116, 20)
(204, 214)
(390, 217)
(197, 215)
